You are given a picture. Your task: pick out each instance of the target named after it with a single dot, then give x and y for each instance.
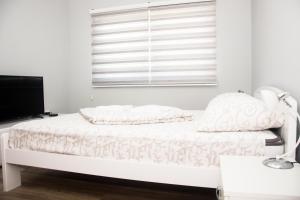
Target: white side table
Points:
(246, 178)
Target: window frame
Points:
(146, 5)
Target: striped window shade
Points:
(155, 45)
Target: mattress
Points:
(169, 143)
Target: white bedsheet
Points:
(169, 143)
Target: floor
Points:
(40, 184)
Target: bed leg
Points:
(11, 176)
(11, 173)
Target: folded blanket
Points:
(128, 114)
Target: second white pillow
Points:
(238, 112)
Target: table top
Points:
(246, 176)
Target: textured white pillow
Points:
(268, 96)
(238, 112)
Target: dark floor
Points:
(40, 184)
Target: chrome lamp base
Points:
(278, 163)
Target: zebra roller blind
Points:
(172, 44)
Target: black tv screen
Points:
(21, 96)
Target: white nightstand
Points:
(246, 178)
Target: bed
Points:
(172, 153)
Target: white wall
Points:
(276, 45)
(51, 38)
(233, 52)
(34, 41)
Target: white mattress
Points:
(169, 143)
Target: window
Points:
(155, 44)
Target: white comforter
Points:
(128, 114)
(169, 143)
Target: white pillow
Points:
(238, 112)
(268, 96)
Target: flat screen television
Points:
(21, 97)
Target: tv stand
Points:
(39, 116)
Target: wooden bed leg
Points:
(11, 176)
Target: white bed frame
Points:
(14, 159)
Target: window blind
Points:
(155, 45)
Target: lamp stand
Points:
(278, 163)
